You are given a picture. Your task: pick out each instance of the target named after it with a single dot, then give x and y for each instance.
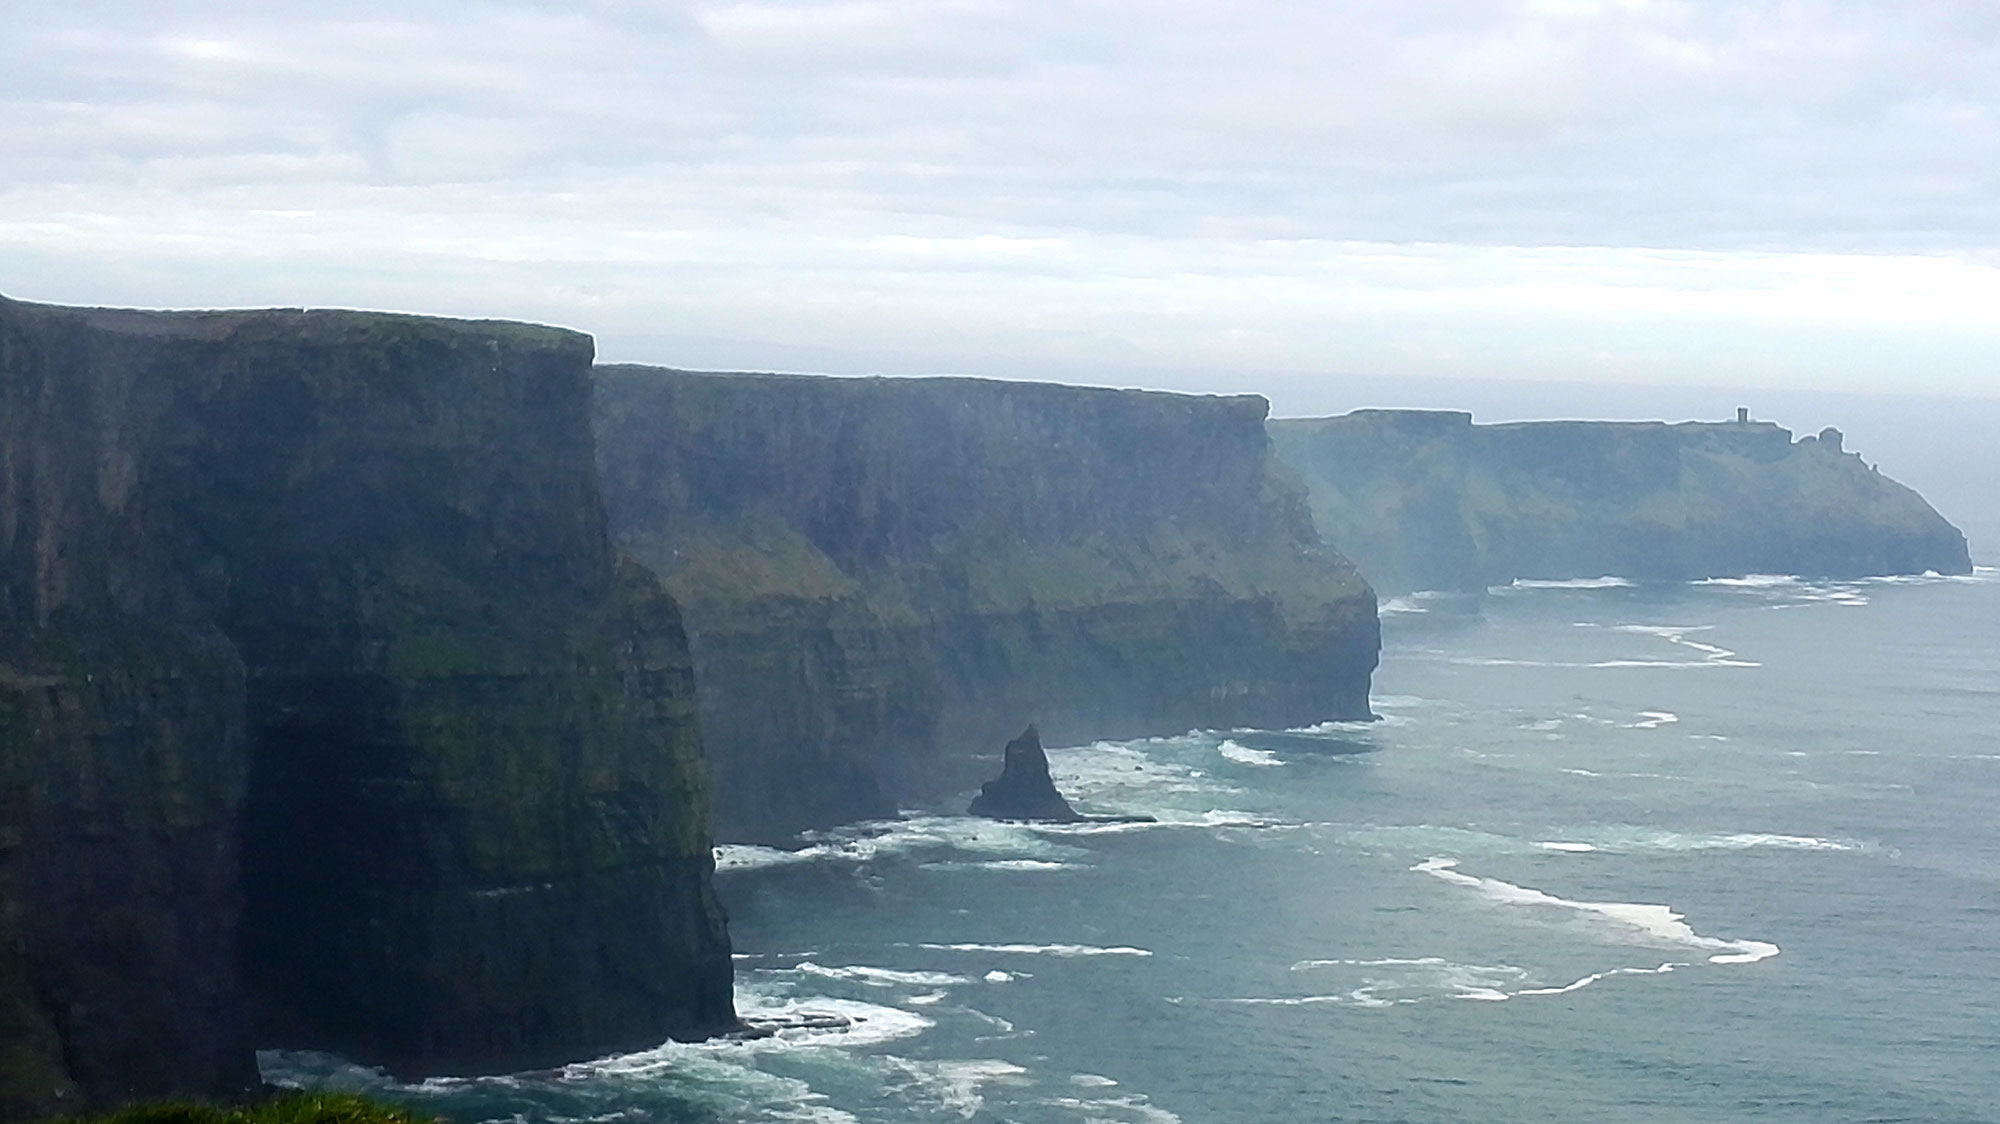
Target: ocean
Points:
(1721, 851)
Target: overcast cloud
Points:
(1786, 192)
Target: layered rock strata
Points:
(1428, 500)
(884, 578)
(326, 708)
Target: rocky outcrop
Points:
(1428, 500)
(326, 708)
(886, 577)
(1024, 790)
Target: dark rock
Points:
(1023, 790)
(1427, 500)
(313, 644)
(881, 576)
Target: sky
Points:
(1196, 194)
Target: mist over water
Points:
(1721, 851)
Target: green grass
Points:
(288, 1108)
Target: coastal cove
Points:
(1464, 911)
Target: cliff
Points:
(886, 578)
(326, 709)
(1428, 500)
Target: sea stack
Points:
(1023, 790)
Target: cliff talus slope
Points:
(325, 705)
(1428, 500)
(887, 578)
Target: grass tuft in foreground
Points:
(290, 1108)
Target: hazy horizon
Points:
(1721, 194)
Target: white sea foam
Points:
(722, 1072)
(1245, 755)
(1006, 864)
(956, 1086)
(865, 1024)
(1355, 998)
(878, 977)
(1115, 775)
(1789, 591)
(996, 976)
(1168, 818)
(1632, 922)
(1091, 1080)
(1387, 721)
(1431, 838)
(762, 1095)
(749, 856)
(1397, 981)
(1711, 655)
(1754, 581)
(1637, 839)
(1654, 719)
(1428, 600)
(1115, 1110)
(1582, 839)
(1606, 582)
(1062, 950)
(1790, 842)
(1594, 977)
(876, 840)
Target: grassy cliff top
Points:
(893, 385)
(319, 324)
(287, 1108)
(949, 490)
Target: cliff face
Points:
(325, 704)
(1428, 500)
(886, 578)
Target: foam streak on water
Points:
(1063, 950)
(1627, 921)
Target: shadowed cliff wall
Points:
(320, 684)
(887, 578)
(1427, 500)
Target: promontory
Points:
(1425, 499)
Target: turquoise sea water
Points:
(1715, 852)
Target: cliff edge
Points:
(885, 578)
(1424, 499)
(328, 716)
